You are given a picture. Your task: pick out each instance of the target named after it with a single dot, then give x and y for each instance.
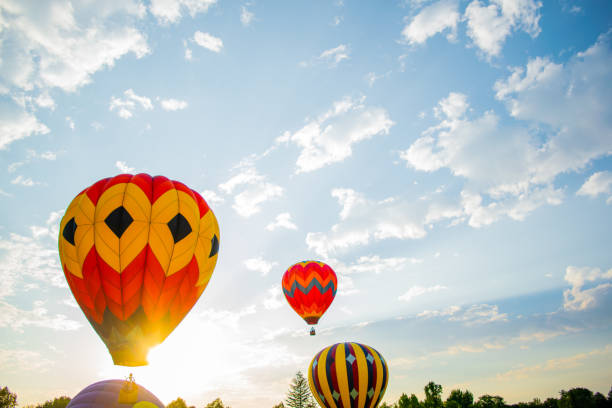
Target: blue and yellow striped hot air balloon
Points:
(348, 375)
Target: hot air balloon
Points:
(348, 375)
(137, 252)
(310, 287)
(115, 394)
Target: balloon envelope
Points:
(310, 288)
(137, 252)
(348, 375)
(112, 394)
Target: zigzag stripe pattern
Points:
(305, 290)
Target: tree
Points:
(433, 396)
(279, 405)
(577, 398)
(217, 404)
(599, 401)
(490, 401)
(60, 402)
(460, 399)
(8, 399)
(550, 403)
(177, 403)
(408, 402)
(299, 395)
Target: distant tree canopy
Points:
(60, 402)
(177, 403)
(8, 399)
(217, 404)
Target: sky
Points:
(451, 160)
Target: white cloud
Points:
(578, 298)
(255, 190)
(173, 104)
(18, 125)
(329, 138)
(449, 311)
(126, 106)
(489, 26)
(282, 220)
(28, 360)
(598, 183)
(259, 265)
(208, 41)
(375, 264)
(503, 164)
(123, 167)
(335, 55)
(364, 220)
(70, 122)
(273, 299)
(58, 44)
(44, 100)
(419, 291)
(17, 319)
(479, 314)
(212, 197)
(246, 16)
(431, 20)
(171, 11)
(23, 181)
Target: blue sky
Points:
(449, 159)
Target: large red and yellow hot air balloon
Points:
(348, 375)
(310, 288)
(137, 252)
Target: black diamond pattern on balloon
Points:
(118, 221)
(69, 230)
(214, 246)
(179, 227)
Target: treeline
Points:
(299, 397)
(573, 398)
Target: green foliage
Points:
(216, 404)
(177, 403)
(8, 399)
(60, 402)
(577, 398)
(433, 395)
(279, 405)
(460, 399)
(490, 401)
(408, 402)
(299, 395)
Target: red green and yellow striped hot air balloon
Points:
(348, 375)
(137, 252)
(310, 287)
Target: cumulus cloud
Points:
(58, 45)
(431, 20)
(23, 181)
(125, 106)
(507, 171)
(282, 220)
(212, 197)
(16, 125)
(173, 104)
(363, 221)
(419, 291)
(254, 190)
(335, 55)
(329, 138)
(259, 265)
(375, 264)
(20, 359)
(246, 16)
(17, 319)
(577, 298)
(273, 299)
(171, 11)
(598, 183)
(123, 167)
(208, 41)
(490, 25)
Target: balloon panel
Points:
(106, 394)
(137, 252)
(310, 288)
(348, 375)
